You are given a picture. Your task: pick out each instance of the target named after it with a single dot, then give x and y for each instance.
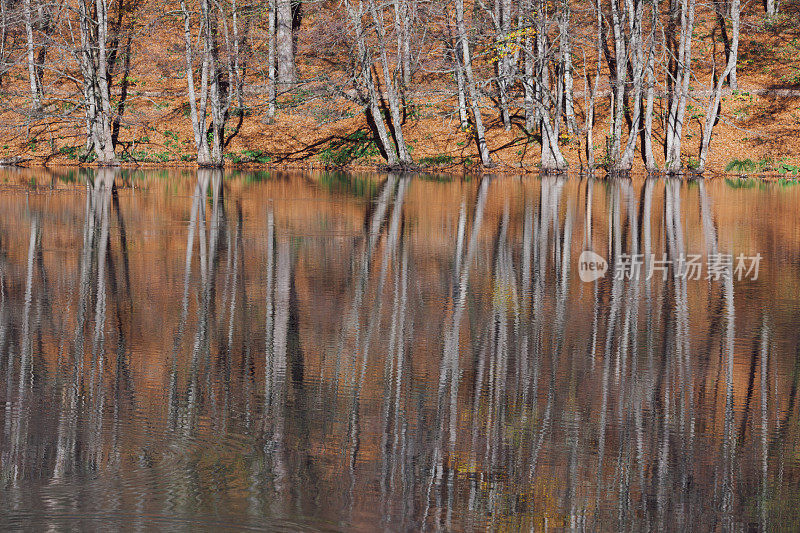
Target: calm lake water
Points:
(324, 351)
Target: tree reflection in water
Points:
(423, 357)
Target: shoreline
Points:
(451, 172)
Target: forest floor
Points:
(758, 132)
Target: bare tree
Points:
(93, 59)
(679, 96)
(649, 159)
(465, 62)
(712, 112)
(591, 88)
(34, 82)
(552, 158)
(271, 54)
(285, 42)
(221, 75)
(390, 81)
(364, 79)
(637, 61)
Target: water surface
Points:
(380, 352)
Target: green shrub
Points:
(436, 160)
(357, 145)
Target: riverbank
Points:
(318, 125)
(764, 140)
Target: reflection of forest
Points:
(360, 349)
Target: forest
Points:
(613, 84)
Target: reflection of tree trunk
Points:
(449, 372)
(209, 259)
(394, 377)
(728, 442)
(372, 234)
(25, 380)
(67, 420)
(764, 388)
(103, 185)
(559, 329)
(362, 348)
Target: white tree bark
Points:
(569, 83)
(649, 159)
(552, 158)
(712, 112)
(466, 63)
(285, 43)
(198, 114)
(271, 55)
(620, 76)
(528, 83)
(389, 85)
(221, 76)
(364, 75)
(680, 89)
(94, 69)
(591, 91)
(34, 83)
(638, 66)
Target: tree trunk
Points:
(402, 24)
(389, 84)
(94, 70)
(566, 47)
(3, 38)
(638, 67)
(285, 43)
(458, 73)
(721, 13)
(714, 100)
(216, 97)
(272, 89)
(618, 92)
(502, 36)
(108, 157)
(591, 91)
(649, 159)
(528, 82)
(463, 116)
(198, 116)
(34, 83)
(364, 65)
(466, 63)
(681, 89)
(552, 159)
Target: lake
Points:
(328, 351)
